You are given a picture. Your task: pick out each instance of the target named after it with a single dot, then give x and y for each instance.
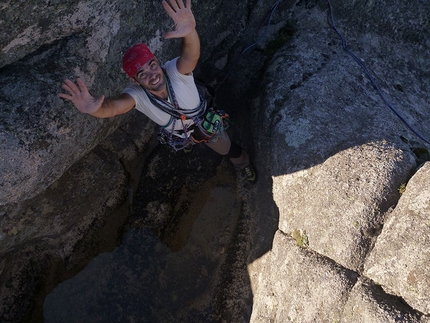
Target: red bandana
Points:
(135, 58)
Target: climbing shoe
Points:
(250, 174)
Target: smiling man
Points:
(167, 94)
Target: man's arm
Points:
(185, 25)
(101, 108)
(190, 53)
(115, 106)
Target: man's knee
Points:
(235, 151)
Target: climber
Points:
(167, 94)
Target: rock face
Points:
(400, 257)
(77, 217)
(41, 136)
(323, 285)
(335, 230)
(338, 159)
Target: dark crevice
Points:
(391, 303)
(43, 57)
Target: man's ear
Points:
(132, 79)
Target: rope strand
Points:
(331, 22)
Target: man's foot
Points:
(250, 174)
(188, 149)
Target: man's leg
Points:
(225, 147)
(239, 157)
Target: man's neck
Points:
(163, 94)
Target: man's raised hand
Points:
(182, 16)
(80, 97)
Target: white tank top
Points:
(185, 91)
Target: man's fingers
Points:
(168, 9)
(180, 4)
(189, 4)
(70, 86)
(67, 88)
(82, 86)
(175, 5)
(170, 34)
(65, 96)
(79, 90)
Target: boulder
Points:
(399, 261)
(367, 302)
(337, 154)
(41, 135)
(338, 208)
(337, 157)
(305, 287)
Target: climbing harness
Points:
(331, 22)
(172, 108)
(207, 122)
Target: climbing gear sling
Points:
(208, 121)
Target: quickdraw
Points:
(213, 123)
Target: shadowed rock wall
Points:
(67, 179)
(41, 135)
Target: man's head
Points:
(136, 57)
(144, 69)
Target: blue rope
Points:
(344, 45)
(252, 45)
(331, 22)
(265, 31)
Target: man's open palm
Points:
(182, 16)
(80, 96)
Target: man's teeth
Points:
(156, 81)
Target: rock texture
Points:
(339, 158)
(61, 229)
(401, 255)
(319, 295)
(173, 286)
(352, 201)
(41, 136)
(368, 303)
(335, 230)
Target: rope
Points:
(331, 22)
(176, 143)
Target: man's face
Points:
(151, 76)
